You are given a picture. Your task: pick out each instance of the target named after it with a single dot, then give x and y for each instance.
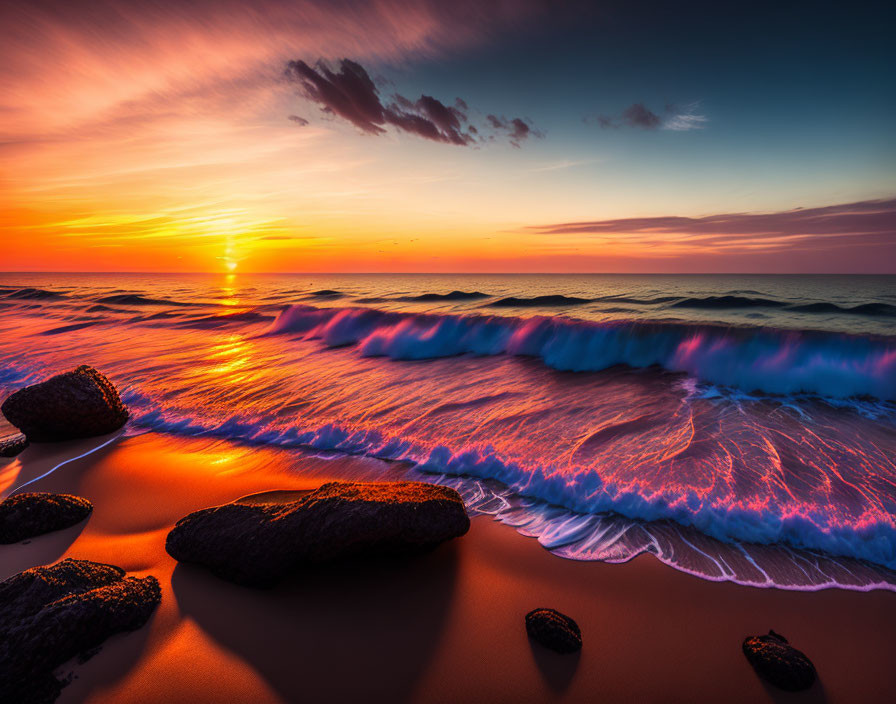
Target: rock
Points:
(78, 404)
(779, 662)
(257, 544)
(554, 630)
(11, 445)
(24, 516)
(49, 615)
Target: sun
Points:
(230, 264)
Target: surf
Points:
(768, 360)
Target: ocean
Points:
(739, 428)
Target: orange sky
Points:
(156, 138)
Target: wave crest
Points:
(751, 359)
(721, 543)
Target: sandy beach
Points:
(445, 627)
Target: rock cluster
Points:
(78, 404)
(257, 544)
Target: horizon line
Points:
(454, 273)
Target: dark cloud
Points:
(635, 115)
(300, 121)
(863, 223)
(516, 128)
(349, 92)
(639, 115)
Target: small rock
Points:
(554, 630)
(49, 615)
(78, 404)
(779, 662)
(11, 445)
(24, 516)
(257, 544)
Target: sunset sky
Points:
(527, 136)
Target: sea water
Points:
(737, 427)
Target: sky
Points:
(471, 136)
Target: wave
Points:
(217, 321)
(639, 301)
(748, 545)
(751, 359)
(722, 302)
(71, 328)
(553, 300)
(734, 302)
(37, 294)
(427, 297)
(863, 309)
(613, 538)
(132, 299)
(326, 293)
(452, 296)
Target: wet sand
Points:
(444, 627)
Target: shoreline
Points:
(445, 627)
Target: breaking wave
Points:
(754, 546)
(759, 359)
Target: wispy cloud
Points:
(865, 223)
(640, 116)
(683, 120)
(560, 165)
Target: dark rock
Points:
(554, 630)
(779, 662)
(26, 516)
(11, 445)
(259, 543)
(78, 404)
(49, 615)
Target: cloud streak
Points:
(347, 91)
(866, 223)
(640, 116)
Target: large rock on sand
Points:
(554, 630)
(26, 516)
(258, 543)
(779, 662)
(49, 615)
(78, 404)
